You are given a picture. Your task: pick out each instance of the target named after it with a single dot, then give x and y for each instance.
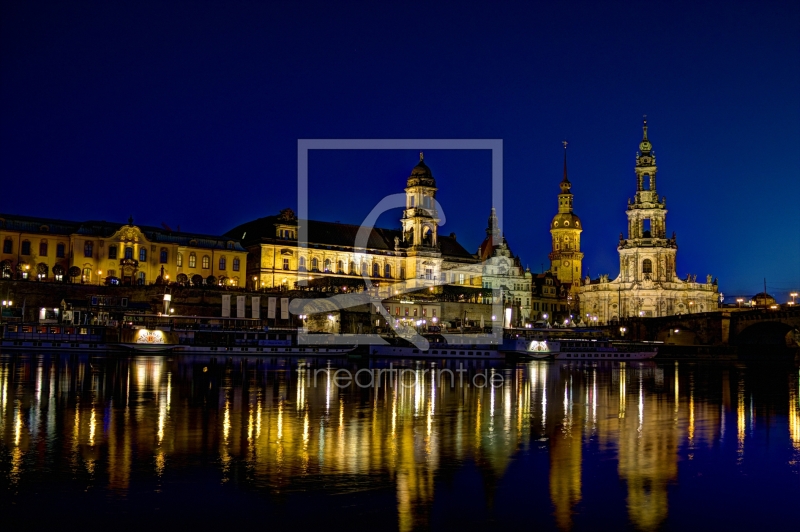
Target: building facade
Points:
(647, 284)
(566, 258)
(103, 252)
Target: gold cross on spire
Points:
(564, 142)
(421, 156)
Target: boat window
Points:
(415, 351)
(452, 352)
(628, 355)
(435, 352)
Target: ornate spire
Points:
(493, 229)
(422, 155)
(565, 184)
(645, 147)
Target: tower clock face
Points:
(566, 263)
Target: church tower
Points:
(420, 219)
(420, 224)
(566, 257)
(647, 255)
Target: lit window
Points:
(236, 265)
(327, 265)
(192, 260)
(206, 262)
(112, 252)
(180, 259)
(460, 278)
(26, 248)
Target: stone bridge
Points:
(739, 328)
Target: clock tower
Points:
(566, 256)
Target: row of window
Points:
(25, 248)
(340, 267)
(415, 312)
(206, 262)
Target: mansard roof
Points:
(334, 234)
(103, 229)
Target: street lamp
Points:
(255, 282)
(739, 301)
(794, 295)
(691, 303)
(622, 331)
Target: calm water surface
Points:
(203, 442)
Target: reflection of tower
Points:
(566, 451)
(566, 257)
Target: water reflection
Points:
(289, 427)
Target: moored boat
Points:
(438, 347)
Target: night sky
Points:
(188, 113)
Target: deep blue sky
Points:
(189, 113)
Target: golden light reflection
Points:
(741, 425)
(794, 411)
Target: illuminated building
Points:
(648, 284)
(97, 252)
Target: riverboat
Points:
(571, 345)
(56, 337)
(439, 346)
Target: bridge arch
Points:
(772, 333)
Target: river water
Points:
(201, 442)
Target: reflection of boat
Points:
(565, 346)
(438, 347)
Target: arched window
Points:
(162, 258)
(192, 260)
(647, 266)
(364, 270)
(8, 246)
(314, 265)
(180, 259)
(387, 271)
(206, 262)
(87, 275)
(646, 181)
(402, 272)
(352, 269)
(376, 270)
(129, 252)
(327, 265)
(222, 263)
(302, 266)
(112, 252)
(43, 248)
(339, 267)
(236, 265)
(26, 248)
(142, 254)
(88, 249)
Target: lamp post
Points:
(739, 301)
(793, 295)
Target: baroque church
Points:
(648, 284)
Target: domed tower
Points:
(420, 219)
(647, 254)
(566, 257)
